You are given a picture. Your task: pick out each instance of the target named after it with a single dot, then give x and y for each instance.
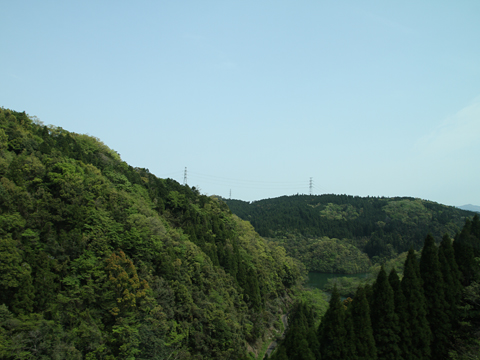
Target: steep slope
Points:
(101, 260)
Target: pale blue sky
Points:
(377, 98)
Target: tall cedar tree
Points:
(476, 232)
(300, 339)
(311, 331)
(401, 311)
(433, 285)
(384, 320)
(252, 289)
(364, 342)
(313, 343)
(466, 249)
(418, 327)
(331, 331)
(451, 277)
(350, 349)
(280, 354)
(296, 332)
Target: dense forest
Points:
(101, 260)
(430, 311)
(330, 226)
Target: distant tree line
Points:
(380, 227)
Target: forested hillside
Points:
(430, 311)
(379, 227)
(101, 260)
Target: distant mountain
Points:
(470, 207)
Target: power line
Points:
(219, 181)
(244, 180)
(250, 182)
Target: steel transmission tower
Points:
(185, 176)
(311, 185)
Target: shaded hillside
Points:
(101, 260)
(379, 226)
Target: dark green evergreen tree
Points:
(400, 309)
(476, 232)
(465, 250)
(297, 332)
(369, 293)
(364, 342)
(350, 349)
(451, 277)
(300, 339)
(252, 289)
(280, 354)
(384, 320)
(313, 343)
(305, 353)
(433, 285)
(418, 327)
(331, 332)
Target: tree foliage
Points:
(101, 260)
(380, 227)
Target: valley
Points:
(102, 260)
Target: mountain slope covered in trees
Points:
(379, 227)
(431, 311)
(101, 260)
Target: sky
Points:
(259, 99)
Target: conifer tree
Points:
(384, 320)
(350, 349)
(280, 354)
(400, 309)
(331, 331)
(433, 286)
(464, 253)
(368, 293)
(297, 331)
(418, 327)
(313, 342)
(305, 353)
(364, 342)
(451, 277)
(476, 233)
(300, 339)
(252, 289)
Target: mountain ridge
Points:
(379, 226)
(104, 260)
(470, 207)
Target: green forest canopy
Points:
(380, 227)
(430, 311)
(101, 260)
